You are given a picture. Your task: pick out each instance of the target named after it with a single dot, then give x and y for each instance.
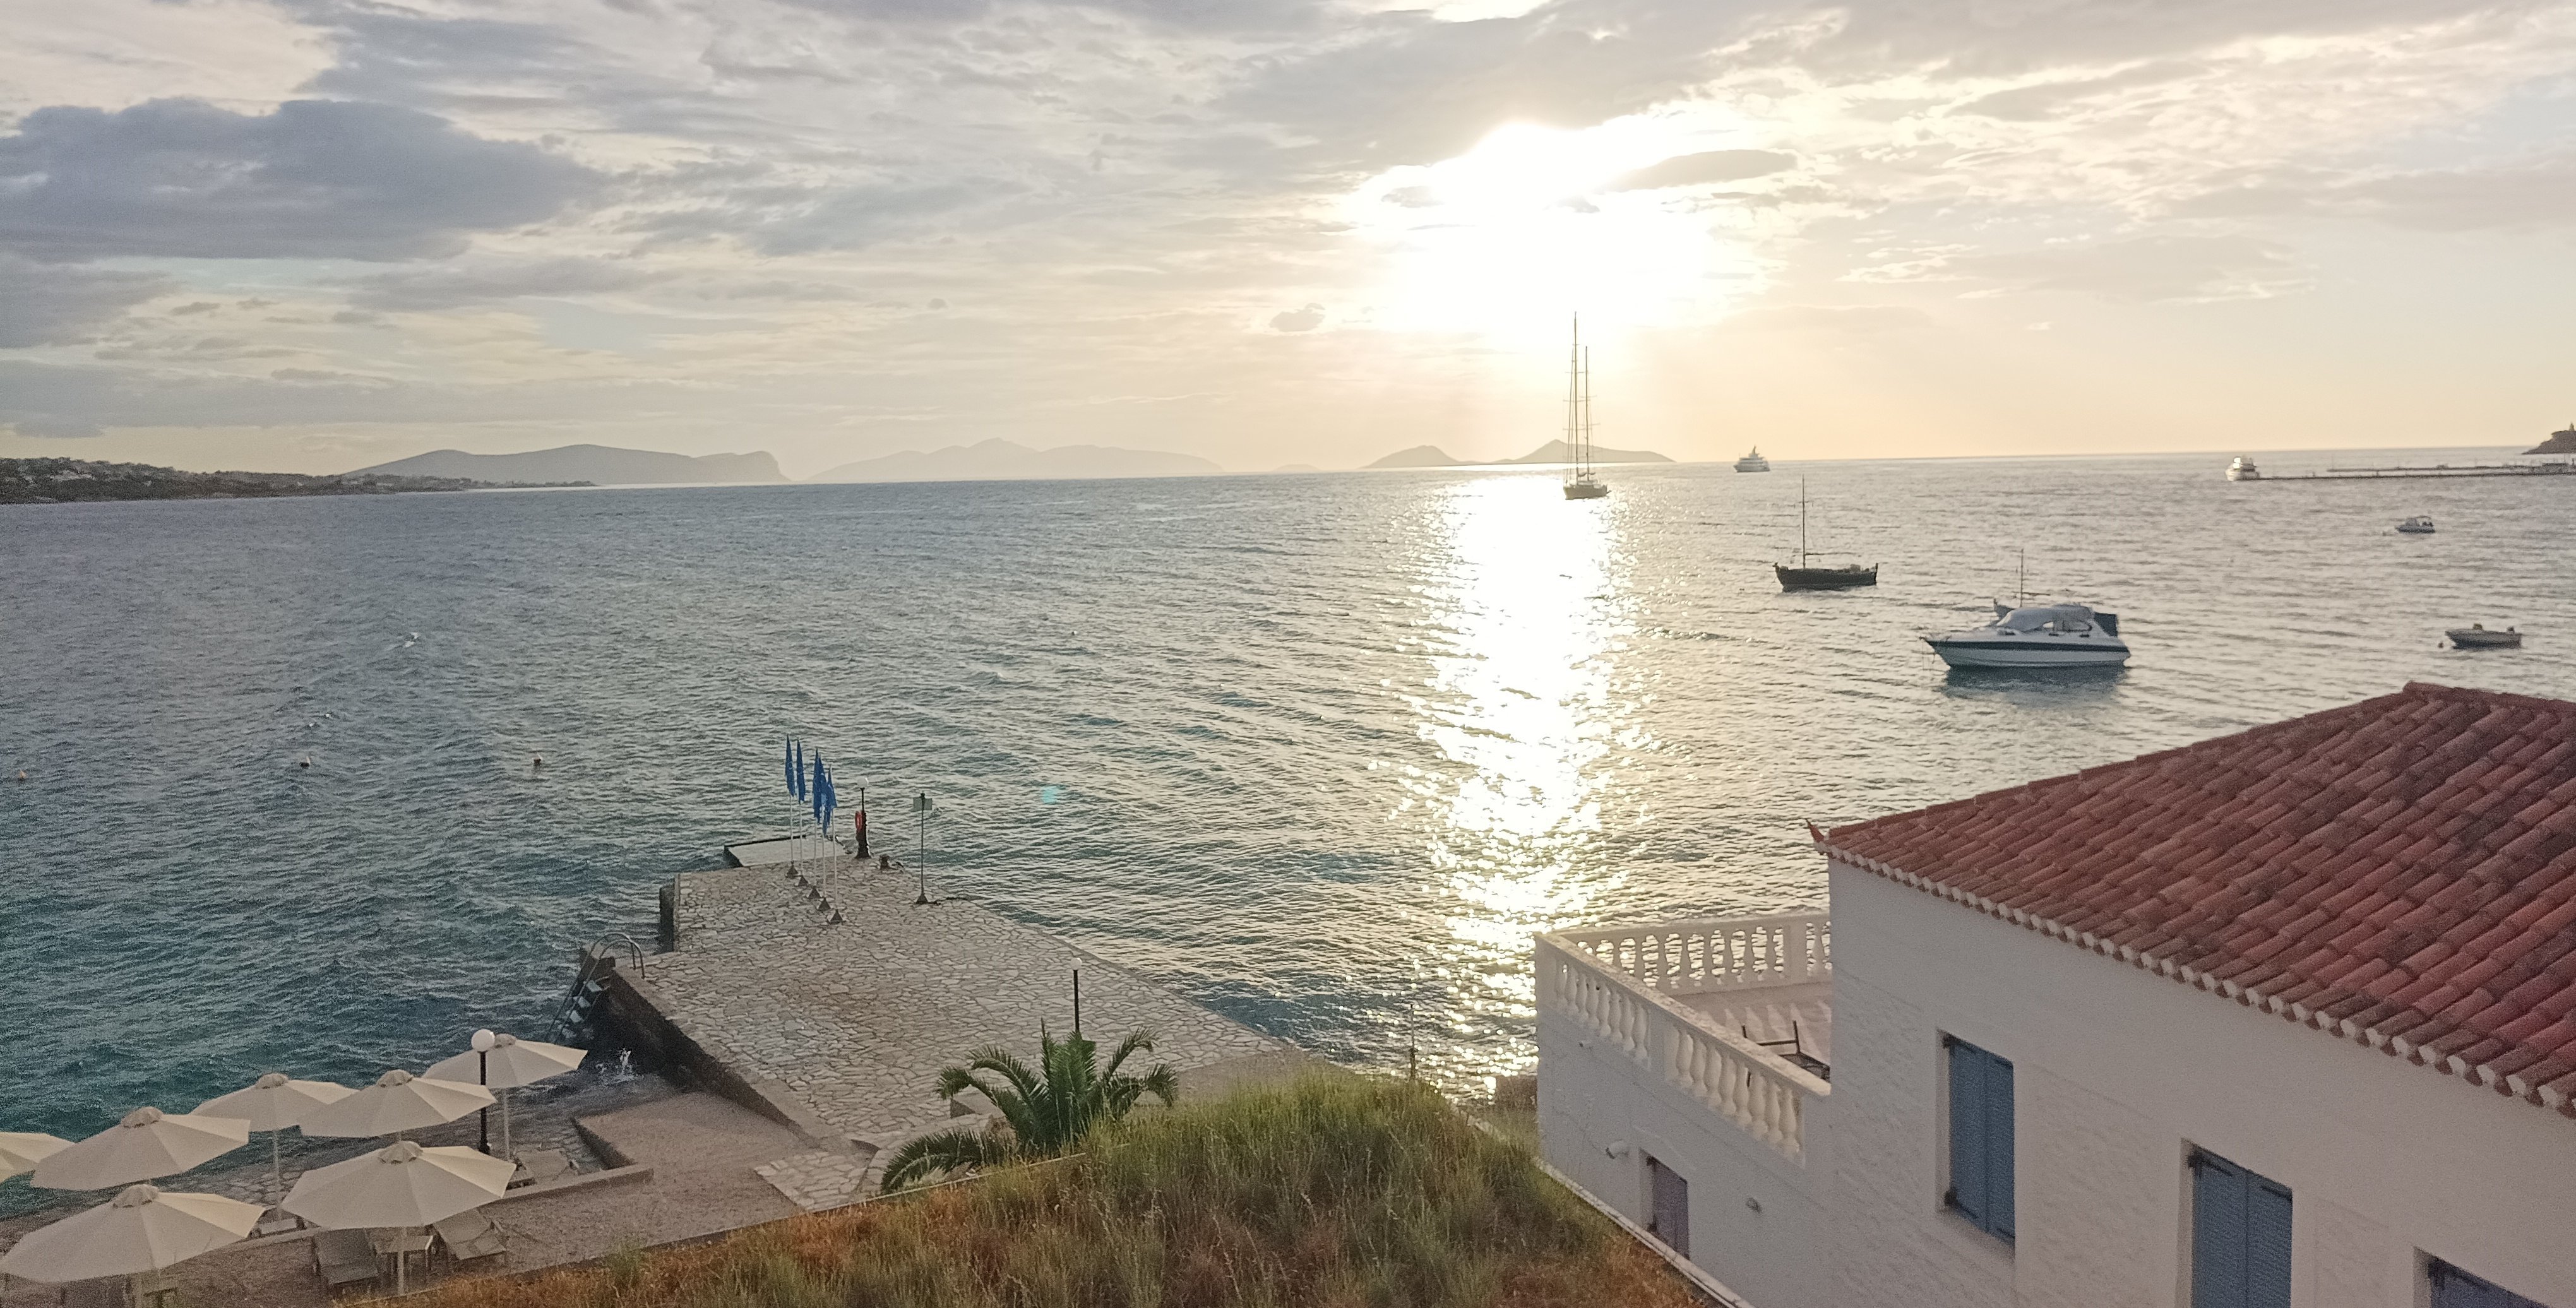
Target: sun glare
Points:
(1534, 221)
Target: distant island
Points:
(597, 465)
(1431, 456)
(1000, 460)
(74, 481)
(2559, 442)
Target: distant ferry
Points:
(1753, 462)
(2243, 470)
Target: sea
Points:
(1320, 751)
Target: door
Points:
(1670, 1195)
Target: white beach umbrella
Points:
(140, 1230)
(397, 1102)
(21, 1150)
(400, 1185)
(146, 1144)
(505, 1062)
(273, 1103)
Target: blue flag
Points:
(814, 789)
(796, 773)
(831, 799)
(791, 764)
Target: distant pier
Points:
(2436, 471)
(838, 1031)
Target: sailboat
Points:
(1580, 484)
(1804, 575)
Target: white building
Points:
(2285, 1019)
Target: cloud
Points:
(2529, 193)
(52, 305)
(313, 179)
(1300, 320)
(427, 289)
(2139, 269)
(1705, 168)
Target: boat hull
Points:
(1825, 578)
(2472, 638)
(2027, 654)
(1747, 465)
(1586, 490)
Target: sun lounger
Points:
(345, 1257)
(537, 1166)
(470, 1235)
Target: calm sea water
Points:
(1320, 751)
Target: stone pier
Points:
(838, 1031)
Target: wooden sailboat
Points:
(1805, 575)
(1580, 483)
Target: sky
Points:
(319, 234)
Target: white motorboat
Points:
(2476, 636)
(2037, 636)
(1753, 462)
(2419, 525)
(2243, 470)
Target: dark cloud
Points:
(54, 305)
(314, 179)
(67, 397)
(1706, 168)
(453, 287)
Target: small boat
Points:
(2037, 636)
(1804, 575)
(1580, 484)
(2419, 525)
(2476, 636)
(2243, 470)
(1753, 462)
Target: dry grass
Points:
(1330, 1191)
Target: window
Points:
(2453, 1288)
(1670, 1220)
(1981, 1139)
(2240, 1237)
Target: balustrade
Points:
(1699, 955)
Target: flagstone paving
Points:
(857, 1018)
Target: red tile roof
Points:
(2400, 872)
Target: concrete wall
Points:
(1593, 1098)
(2118, 1074)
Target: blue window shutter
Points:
(2267, 1245)
(2217, 1233)
(1999, 1146)
(1968, 1131)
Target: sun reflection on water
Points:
(1524, 702)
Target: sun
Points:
(1534, 221)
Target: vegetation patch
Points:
(1328, 1191)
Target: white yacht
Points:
(2243, 470)
(2037, 636)
(1753, 462)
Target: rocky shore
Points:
(66, 481)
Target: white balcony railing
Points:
(1617, 983)
(1695, 956)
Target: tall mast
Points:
(1585, 466)
(1802, 522)
(1573, 385)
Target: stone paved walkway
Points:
(857, 1019)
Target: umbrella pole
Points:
(276, 1169)
(505, 1124)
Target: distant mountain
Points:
(1555, 452)
(2559, 442)
(1420, 456)
(60, 481)
(1000, 460)
(600, 465)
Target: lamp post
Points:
(483, 1042)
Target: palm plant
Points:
(1045, 1112)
